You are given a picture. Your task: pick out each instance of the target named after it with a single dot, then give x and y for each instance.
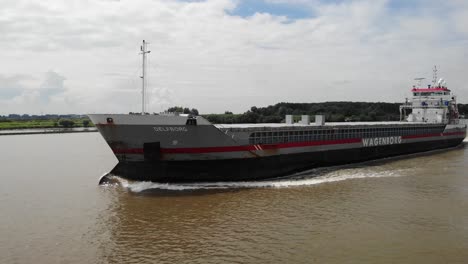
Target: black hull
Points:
(264, 168)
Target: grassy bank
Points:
(7, 124)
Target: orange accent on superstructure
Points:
(435, 89)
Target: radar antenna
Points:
(143, 80)
(419, 82)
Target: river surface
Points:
(407, 210)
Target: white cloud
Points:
(31, 95)
(204, 58)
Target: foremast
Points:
(143, 52)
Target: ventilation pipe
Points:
(319, 120)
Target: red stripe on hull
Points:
(422, 136)
(207, 149)
(128, 151)
(261, 146)
(434, 135)
(268, 146)
(455, 134)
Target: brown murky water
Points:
(411, 210)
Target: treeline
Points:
(183, 110)
(463, 109)
(13, 122)
(333, 111)
(40, 117)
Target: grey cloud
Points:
(75, 25)
(52, 85)
(12, 86)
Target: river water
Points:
(407, 210)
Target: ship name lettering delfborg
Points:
(380, 141)
(170, 129)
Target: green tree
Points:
(66, 123)
(194, 111)
(175, 109)
(184, 110)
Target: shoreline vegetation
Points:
(44, 131)
(333, 111)
(56, 122)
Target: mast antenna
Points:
(434, 76)
(143, 74)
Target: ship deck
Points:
(277, 126)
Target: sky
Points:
(82, 56)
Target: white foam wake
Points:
(306, 180)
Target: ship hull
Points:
(266, 167)
(172, 149)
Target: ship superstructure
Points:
(431, 104)
(172, 147)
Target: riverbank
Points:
(13, 122)
(46, 131)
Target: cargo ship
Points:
(172, 147)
